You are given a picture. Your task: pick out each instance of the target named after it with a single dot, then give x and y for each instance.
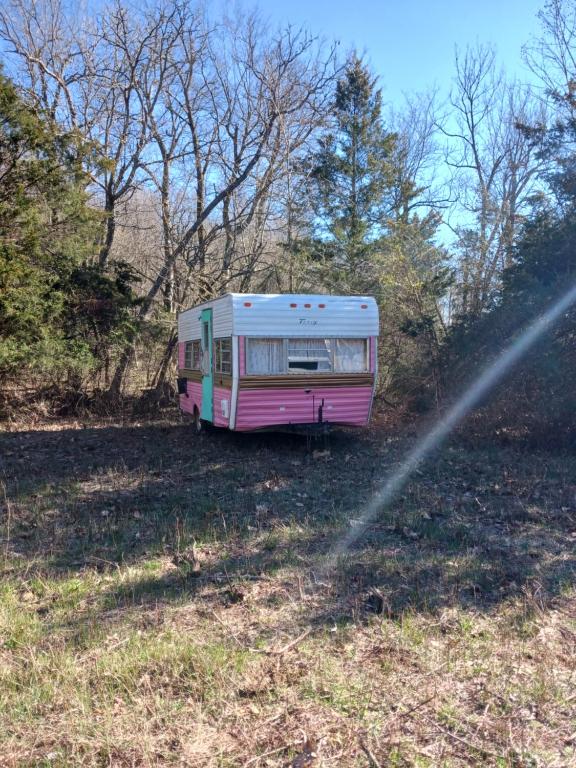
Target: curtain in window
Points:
(264, 356)
(350, 355)
(309, 348)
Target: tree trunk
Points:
(166, 360)
(110, 231)
(167, 233)
(125, 359)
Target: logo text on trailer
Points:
(306, 321)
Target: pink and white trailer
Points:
(263, 361)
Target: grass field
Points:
(164, 601)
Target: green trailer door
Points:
(207, 410)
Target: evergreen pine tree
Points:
(350, 178)
(363, 235)
(58, 314)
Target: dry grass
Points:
(446, 638)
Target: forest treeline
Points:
(156, 156)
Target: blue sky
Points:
(410, 43)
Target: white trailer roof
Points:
(222, 319)
(286, 314)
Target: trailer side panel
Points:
(264, 407)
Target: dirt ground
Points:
(165, 600)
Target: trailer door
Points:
(207, 410)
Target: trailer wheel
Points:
(197, 423)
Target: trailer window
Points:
(300, 356)
(351, 355)
(192, 355)
(223, 355)
(264, 356)
(309, 355)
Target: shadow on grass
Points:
(472, 529)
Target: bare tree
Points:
(115, 114)
(74, 69)
(494, 168)
(257, 98)
(206, 116)
(156, 84)
(552, 56)
(46, 44)
(420, 183)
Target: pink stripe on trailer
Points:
(241, 356)
(258, 408)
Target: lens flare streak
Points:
(394, 483)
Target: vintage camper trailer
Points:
(256, 361)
